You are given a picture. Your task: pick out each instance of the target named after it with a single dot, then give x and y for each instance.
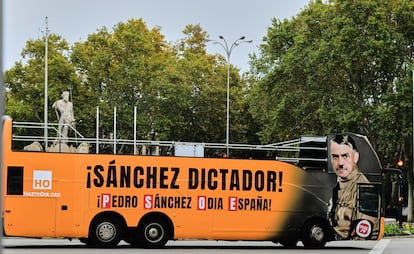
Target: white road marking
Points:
(380, 246)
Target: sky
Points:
(74, 20)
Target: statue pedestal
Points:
(60, 147)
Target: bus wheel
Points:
(153, 233)
(314, 235)
(106, 232)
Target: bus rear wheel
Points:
(153, 233)
(106, 232)
(314, 235)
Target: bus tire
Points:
(153, 233)
(106, 232)
(314, 235)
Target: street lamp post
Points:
(228, 49)
(45, 130)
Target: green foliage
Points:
(178, 89)
(393, 229)
(340, 66)
(25, 82)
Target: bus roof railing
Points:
(293, 147)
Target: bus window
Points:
(14, 180)
(369, 202)
(367, 220)
(313, 153)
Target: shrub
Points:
(394, 229)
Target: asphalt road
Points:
(44, 246)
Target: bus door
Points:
(368, 215)
(67, 210)
(27, 213)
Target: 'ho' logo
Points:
(42, 179)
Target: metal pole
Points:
(135, 130)
(228, 51)
(45, 92)
(228, 107)
(97, 130)
(114, 130)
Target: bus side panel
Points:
(30, 217)
(205, 198)
(51, 200)
(59, 194)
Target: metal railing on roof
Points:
(291, 146)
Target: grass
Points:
(394, 229)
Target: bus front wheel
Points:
(314, 235)
(106, 232)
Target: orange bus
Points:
(147, 200)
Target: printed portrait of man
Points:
(344, 158)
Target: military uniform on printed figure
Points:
(344, 201)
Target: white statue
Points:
(64, 112)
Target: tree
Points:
(125, 69)
(204, 78)
(177, 88)
(26, 80)
(338, 66)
